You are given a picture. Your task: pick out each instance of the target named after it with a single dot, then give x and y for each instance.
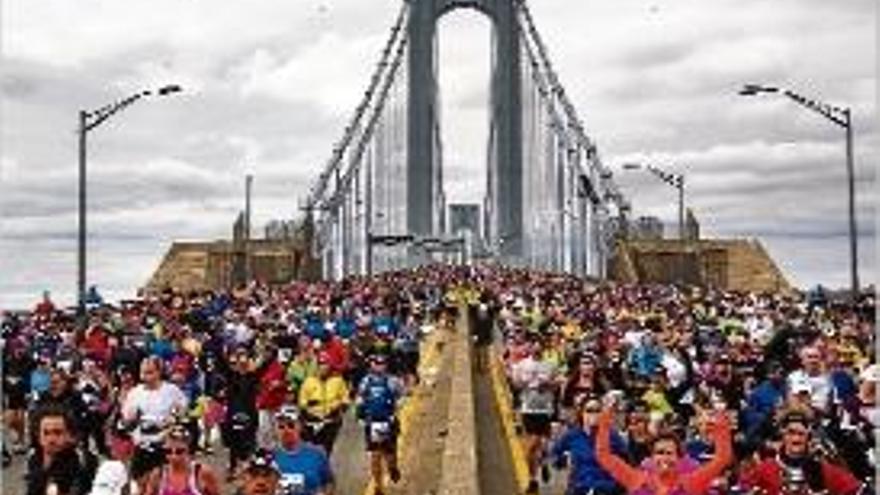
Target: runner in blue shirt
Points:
(579, 443)
(314, 325)
(377, 399)
(385, 327)
(305, 469)
(345, 326)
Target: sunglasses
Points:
(177, 451)
(287, 425)
(261, 471)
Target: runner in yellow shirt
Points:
(323, 399)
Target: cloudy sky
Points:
(269, 85)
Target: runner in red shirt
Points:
(271, 396)
(794, 469)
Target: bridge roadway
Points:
(425, 442)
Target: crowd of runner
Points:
(132, 402)
(660, 390)
(649, 390)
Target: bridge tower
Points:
(505, 186)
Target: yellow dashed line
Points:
(505, 410)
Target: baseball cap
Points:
(262, 459)
(287, 412)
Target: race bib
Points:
(380, 431)
(293, 484)
(240, 421)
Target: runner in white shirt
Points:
(535, 380)
(812, 376)
(151, 406)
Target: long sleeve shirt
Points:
(586, 473)
(639, 481)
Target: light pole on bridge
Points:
(88, 120)
(841, 116)
(671, 179)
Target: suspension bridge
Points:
(379, 202)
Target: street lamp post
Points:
(89, 120)
(676, 181)
(842, 117)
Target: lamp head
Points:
(171, 88)
(753, 89)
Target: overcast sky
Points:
(269, 85)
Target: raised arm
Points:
(700, 480)
(628, 476)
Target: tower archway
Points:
(504, 181)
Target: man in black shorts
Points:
(482, 325)
(377, 400)
(535, 379)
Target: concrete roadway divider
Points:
(504, 401)
(431, 349)
(460, 471)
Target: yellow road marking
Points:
(429, 359)
(505, 410)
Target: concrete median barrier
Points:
(460, 473)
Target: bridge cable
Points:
(317, 190)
